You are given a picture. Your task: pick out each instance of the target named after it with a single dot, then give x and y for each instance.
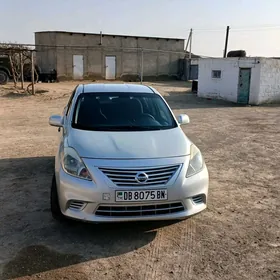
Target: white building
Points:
(241, 80)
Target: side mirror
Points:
(183, 119)
(55, 120)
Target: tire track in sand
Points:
(172, 252)
(188, 256)
(152, 261)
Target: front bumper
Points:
(80, 199)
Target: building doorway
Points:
(78, 67)
(244, 85)
(110, 67)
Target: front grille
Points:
(149, 176)
(76, 205)
(136, 211)
(198, 199)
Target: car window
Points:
(122, 112)
(70, 102)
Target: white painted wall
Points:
(226, 88)
(269, 81)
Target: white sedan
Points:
(123, 156)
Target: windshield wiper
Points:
(118, 128)
(130, 128)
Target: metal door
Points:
(78, 67)
(244, 85)
(110, 66)
(193, 72)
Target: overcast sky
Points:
(255, 24)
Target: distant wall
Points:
(46, 57)
(128, 61)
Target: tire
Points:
(3, 77)
(55, 208)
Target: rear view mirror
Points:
(183, 119)
(55, 120)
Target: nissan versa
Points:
(123, 156)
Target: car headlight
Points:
(73, 165)
(196, 161)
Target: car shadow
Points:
(189, 100)
(32, 242)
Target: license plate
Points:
(146, 195)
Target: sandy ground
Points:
(237, 237)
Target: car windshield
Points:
(122, 112)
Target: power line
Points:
(239, 29)
(255, 29)
(243, 27)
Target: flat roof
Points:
(116, 35)
(129, 88)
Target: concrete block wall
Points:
(128, 62)
(269, 81)
(46, 57)
(163, 64)
(226, 87)
(93, 62)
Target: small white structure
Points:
(241, 80)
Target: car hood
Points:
(129, 144)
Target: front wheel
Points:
(55, 208)
(3, 77)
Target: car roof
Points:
(129, 88)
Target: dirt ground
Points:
(237, 237)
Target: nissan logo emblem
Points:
(141, 177)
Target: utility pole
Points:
(226, 42)
(100, 38)
(189, 42)
(142, 65)
(190, 53)
(32, 72)
(186, 48)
